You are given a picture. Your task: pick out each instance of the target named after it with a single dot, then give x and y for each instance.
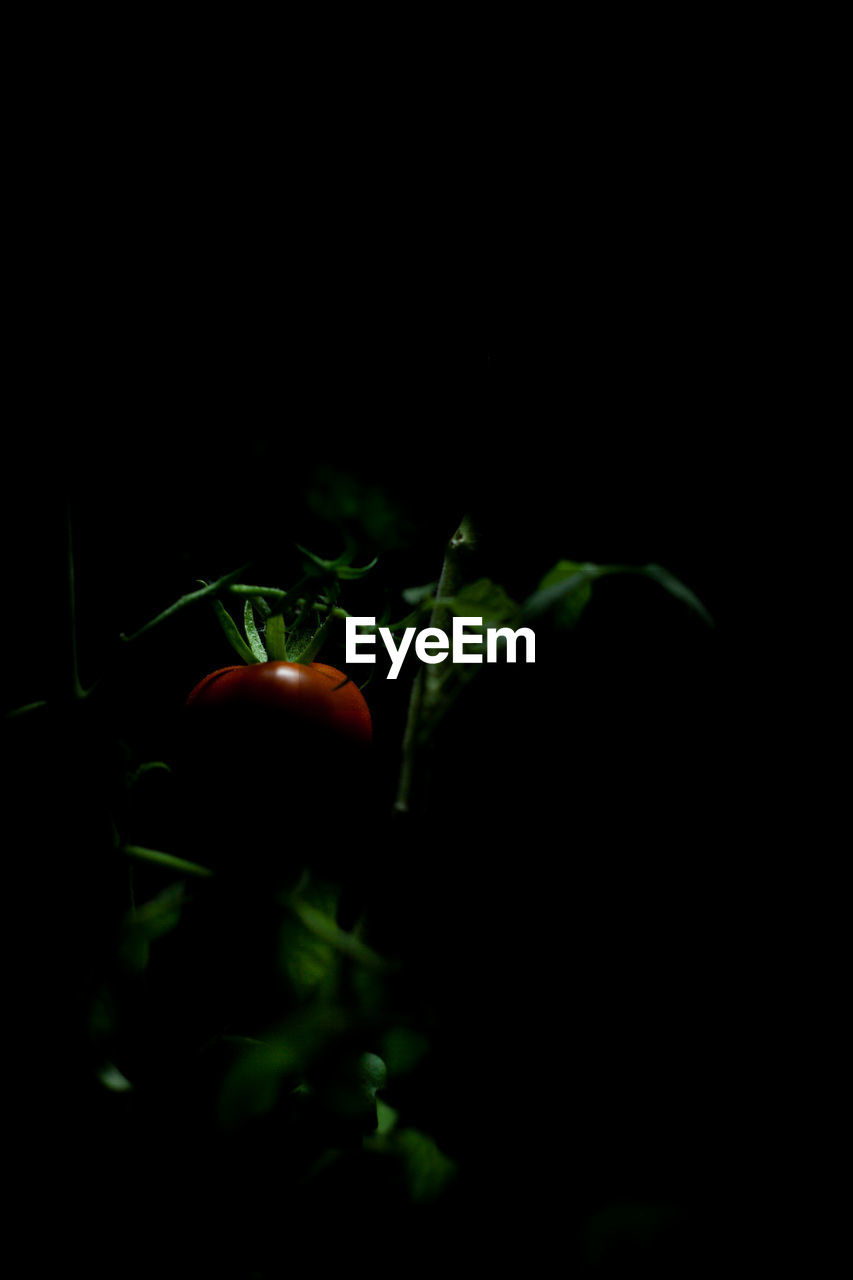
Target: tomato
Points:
(316, 698)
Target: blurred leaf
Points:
(310, 963)
(427, 1170)
(25, 710)
(484, 599)
(677, 588)
(416, 595)
(403, 1049)
(144, 924)
(111, 1078)
(564, 592)
(368, 987)
(325, 928)
(252, 1085)
(386, 1118)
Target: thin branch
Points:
(427, 683)
(165, 860)
(209, 590)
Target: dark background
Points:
(585, 914)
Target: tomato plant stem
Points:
(426, 689)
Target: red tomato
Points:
(317, 697)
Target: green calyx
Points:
(277, 623)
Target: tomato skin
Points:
(318, 697)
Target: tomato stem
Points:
(426, 688)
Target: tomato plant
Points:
(316, 696)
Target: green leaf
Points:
(348, 573)
(676, 588)
(427, 1169)
(111, 1078)
(325, 928)
(251, 1086)
(252, 636)
(311, 963)
(340, 568)
(229, 626)
(417, 595)
(403, 1049)
(386, 1118)
(564, 591)
(145, 924)
(275, 636)
(484, 599)
(326, 566)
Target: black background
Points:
(587, 917)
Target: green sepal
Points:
(339, 568)
(275, 636)
(229, 626)
(309, 651)
(255, 642)
(347, 573)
